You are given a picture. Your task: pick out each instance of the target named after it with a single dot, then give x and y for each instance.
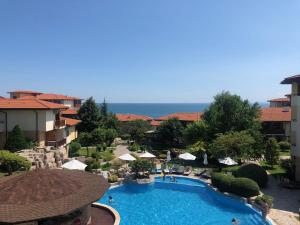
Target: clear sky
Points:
(150, 50)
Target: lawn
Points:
(285, 153)
(92, 149)
(276, 170)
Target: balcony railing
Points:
(59, 123)
(57, 143)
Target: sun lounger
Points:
(158, 168)
(199, 172)
(187, 170)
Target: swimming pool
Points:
(186, 202)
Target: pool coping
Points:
(209, 185)
(111, 210)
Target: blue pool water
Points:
(186, 202)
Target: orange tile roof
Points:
(280, 114)
(71, 122)
(279, 100)
(191, 116)
(69, 112)
(52, 97)
(155, 123)
(25, 92)
(131, 117)
(29, 104)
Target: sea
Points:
(155, 110)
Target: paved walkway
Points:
(286, 203)
(121, 150)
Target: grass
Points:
(285, 153)
(92, 149)
(276, 170)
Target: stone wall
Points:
(45, 157)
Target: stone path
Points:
(286, 203)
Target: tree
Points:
(85, 139)
(230, 113)
(103, 136)
(89, 114)
(74, 147)
(237, 145)
(103, 109)
(10, 162)
(136, 129)
(195, 132)
(272, 151)
(198, 149)
(170, 133)
(141, 166)
(16, 140)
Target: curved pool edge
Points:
(114, 212)
(208, 185)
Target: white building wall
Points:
(49, 120)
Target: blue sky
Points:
(150, 51)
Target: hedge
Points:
(10, 162)
(244, 187)
(254, 172)
(240, 186)
(284, 145)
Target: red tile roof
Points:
(279, 100)
(155, 123)
(280, 114)
(131, 117)
(71, 122)
(29, 104)
(69, 112)
(52, 97)
(192, 116)
(25, 92)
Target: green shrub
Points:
(264, 198)
(107, 156)
(16, 140)
(106, 166)
(74, 148)
(92, 164)
(96, 155)
(289, 166)
(112, 179)
(162, 156)
(135, 147)
(222, 181)
(284, 145)
(244, 187)
(10, 162)
(254, 172)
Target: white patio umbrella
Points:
(205, 162)
(127, 157)
(74, 165)
(187, 156)
(168, 156)
(147, 155)
(228, 161)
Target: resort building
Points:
(40, 121)
(30, 199)
(295, 120)
(280, 102)
(276, 122)
(71, 102)
(132, 117)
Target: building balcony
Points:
(56, 143)
(59, 124)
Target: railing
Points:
(59, 123)
(56, 143)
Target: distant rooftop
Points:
(51, 97)
(131, 117)
(25, 92)
(279, 100)
(183, 116)
(71, 122)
